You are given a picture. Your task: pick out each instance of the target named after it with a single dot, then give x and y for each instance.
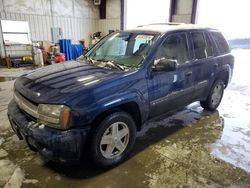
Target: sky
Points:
(141, 12)
(232, 17)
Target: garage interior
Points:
(191, 148)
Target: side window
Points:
(220, 42)
(174, 47)
(199, 44)
(209, 46)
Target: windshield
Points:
(123, 49)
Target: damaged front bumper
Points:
(56, 145)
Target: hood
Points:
(54, 83)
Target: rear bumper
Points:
(55, 145)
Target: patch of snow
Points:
(3, 153)
(16, 179)
(33, 181)
(7, 168)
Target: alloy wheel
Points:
(114, 140)
(216, 95)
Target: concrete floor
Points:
(192, 148)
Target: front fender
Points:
(118, 99)
(85, 116)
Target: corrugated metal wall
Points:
(77, 18)
(108, 24)
(40, 26)
(183, 12)
(113, 17)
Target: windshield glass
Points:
(123, 49)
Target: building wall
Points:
(113, 17)
(77, 18)
(183, 13)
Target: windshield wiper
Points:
(117, 66)
(90, 60)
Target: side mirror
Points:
(165, 65)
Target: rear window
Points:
(220, 42)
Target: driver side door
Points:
(170, 89)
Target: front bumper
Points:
(56, 145)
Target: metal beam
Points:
(172, 11)
(194, 11)
(122, 21)
(102, 9)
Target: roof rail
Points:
(166, 23)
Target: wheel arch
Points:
(223, 76)
(132, 108)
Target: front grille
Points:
(28, 116)
(25, 105)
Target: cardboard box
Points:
(46, 45)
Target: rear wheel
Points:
(113, 139)
(214, 98)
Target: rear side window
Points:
(210, 47)
(220, 42)
(202, 45)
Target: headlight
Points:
(56, 116)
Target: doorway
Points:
(229, 16)
(141, 12)
(232, 19)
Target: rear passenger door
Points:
(202, 63)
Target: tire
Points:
(215, 96)
(113, 140)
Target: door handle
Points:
(188, 73)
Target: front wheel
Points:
(214, 98)
(113, 139)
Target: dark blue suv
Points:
(95, 105)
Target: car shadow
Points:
(151, 133)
